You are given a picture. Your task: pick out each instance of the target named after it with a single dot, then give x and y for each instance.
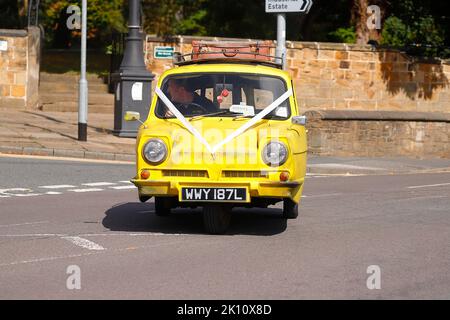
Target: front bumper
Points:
(263, 189)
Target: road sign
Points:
(163, 52)
(283, 6)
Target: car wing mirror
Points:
(300, 120)
(132, 116)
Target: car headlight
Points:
(155, 151)
(274, 154)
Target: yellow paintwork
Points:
(250, 143)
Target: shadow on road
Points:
(140, 217)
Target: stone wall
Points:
(378, 134)
(340, 76)
(19, 68)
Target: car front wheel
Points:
(216, 218)
(162, 206)
(290, 209)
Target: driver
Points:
(186, 101)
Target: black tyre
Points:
(143, 198)
(290, 209)
(216, 218)
(162, 206)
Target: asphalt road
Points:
(56, 214)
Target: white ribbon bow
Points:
(233, 135)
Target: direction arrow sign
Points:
(281, 6)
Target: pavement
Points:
(54, 134)
(40, 133)
(357, 237)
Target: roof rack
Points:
(252, 52)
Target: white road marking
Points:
(123, 187)
(46, 259)
(86, 190)
(98, 184)
(32, 235)
(7, 192)
(61, 186)
(88, 254)
(321, 195)
(24, 192)
(4, 155)
(64, 236)
(420, 198)
(27, 194)
(22, 224)
(84, 243)
(133, 234)
(429, 185)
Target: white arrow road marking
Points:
(10, 192)
(84, 243)
(98, 184)
(322, 195)
(123, 187)
(46, 259)
(86, 190)
(429, 185)
(22, 224)
(32, 235)
(61, 186)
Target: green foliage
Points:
(421, 37)
(420, 26)
(9, 15)
(346, 35)
(192, 24)
(395, 33)
(103, 18)
(174, 17)
(409, 22)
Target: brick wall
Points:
(340, 76)
(379, 134)
(19, 68)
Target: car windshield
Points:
(223, 95)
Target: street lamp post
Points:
(133, 80)
(83, 93)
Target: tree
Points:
(174, 17)
(104, 17)
(9, 14)
(419, 27)
(360, 16)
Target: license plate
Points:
(214, 194)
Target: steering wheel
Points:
(188, 107)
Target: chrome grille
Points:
(244, 174)
(185, 173)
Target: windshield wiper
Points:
(210, 114)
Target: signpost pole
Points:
(281, 38)
(83, 93)
(281, 8)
